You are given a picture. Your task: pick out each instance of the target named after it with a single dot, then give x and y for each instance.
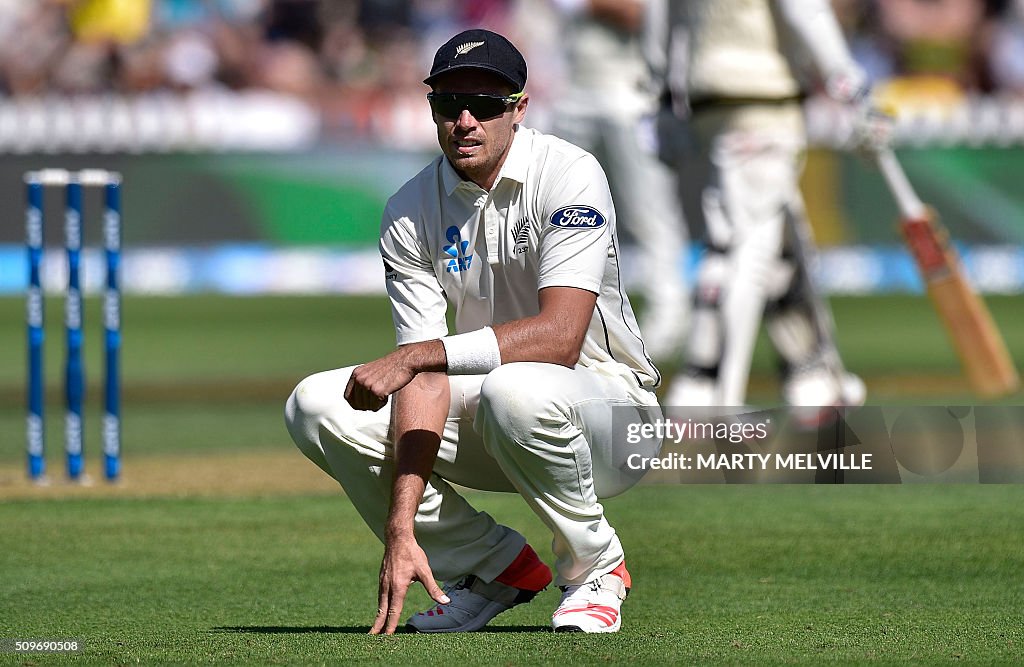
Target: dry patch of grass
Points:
(206, 475)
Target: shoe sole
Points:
(576, 628)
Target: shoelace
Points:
(464, 583)
(594, 586)
(450, 589)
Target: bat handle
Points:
(910, 205)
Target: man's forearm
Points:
(425, 357)
(418, 418)
(556, 335)
(553, 336)
(815, 25)
(537, 339)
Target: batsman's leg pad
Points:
(704, 343)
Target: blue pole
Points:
(75, 376)
(112, 331)
(35, 442)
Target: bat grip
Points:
(910, 205)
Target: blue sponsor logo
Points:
(457, 252)
(577, 217)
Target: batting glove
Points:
(872, 127)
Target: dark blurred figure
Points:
(295, 21)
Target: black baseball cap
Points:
(480, 49)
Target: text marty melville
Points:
(749, 461)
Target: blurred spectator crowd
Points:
(360, 62)
(349, 58)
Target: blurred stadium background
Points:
(259, 140)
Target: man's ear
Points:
(521, 105)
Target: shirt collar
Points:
(517, 162)
(515, 166)
(449, 178)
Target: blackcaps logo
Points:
(521, 236)
(463, 49)
(460, 259)
(577, 217)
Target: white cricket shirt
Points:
(548, 221)
(735, 49)
(754, 48)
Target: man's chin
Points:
(466, 162)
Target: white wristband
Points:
(473, 353)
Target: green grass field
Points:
(223, 544)
(906, 575)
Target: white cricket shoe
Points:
(814, 393)
(853, 391)
(593, 606)
(819, 386)
(697, 392)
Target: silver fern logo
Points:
(521, 236)
(463, 49)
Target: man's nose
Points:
(465, 119)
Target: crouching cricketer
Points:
(516, 230)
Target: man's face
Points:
(477, 147)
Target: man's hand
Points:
(404, 562)
(371, 384)
(873, 126)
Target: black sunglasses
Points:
(481, 106)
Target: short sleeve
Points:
(418, 303)
(577, 225)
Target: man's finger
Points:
(395, 604)
(433, 590)
(382, 610)
(371, 401)
(359, 398)
(378, 623)
(348, 389)
(365, 399)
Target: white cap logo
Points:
(463, 49)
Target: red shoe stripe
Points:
(607, 620)
(600, 608)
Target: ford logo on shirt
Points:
(577, 217)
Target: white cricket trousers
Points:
(542, 430)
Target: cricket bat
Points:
(978, 342)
